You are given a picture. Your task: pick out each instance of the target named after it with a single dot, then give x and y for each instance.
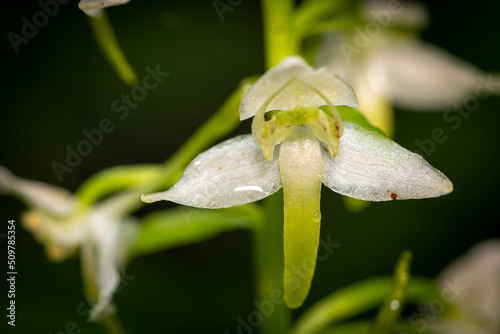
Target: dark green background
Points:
(59, 84)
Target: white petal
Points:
(374, 168)
(229, 174)
(94, 7)
(293, 83)
(301, 172)
(422, 76)
(45, 197)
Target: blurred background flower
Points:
(388, 65)
(59, 84)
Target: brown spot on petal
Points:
(326, 150)
(219, 169)
(394, 196)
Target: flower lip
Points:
(50, 199)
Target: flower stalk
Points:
(106, 39)
(268, 258)
(268, 241)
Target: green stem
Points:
(268, 255)
(279, 40)
(103, 32)
(268, 236)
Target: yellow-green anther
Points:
(301, 173)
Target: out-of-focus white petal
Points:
(403, 70)
(45, 197)
(94, 7)
(232, 173)
(292, 84)
(109, 238)
(60, 236)
(422, 76)
(472, 284)
(391, 13)
(52, 216)
(103, 235)
(372, 167)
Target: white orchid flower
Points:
(94, 7)
(472, 284)
(306, 125)
(57, 221)
(390, 68)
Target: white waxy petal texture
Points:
(422, 76)
(372, 167)
(109, 239)
(232, 173)
(94, 7)
(293, 83)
